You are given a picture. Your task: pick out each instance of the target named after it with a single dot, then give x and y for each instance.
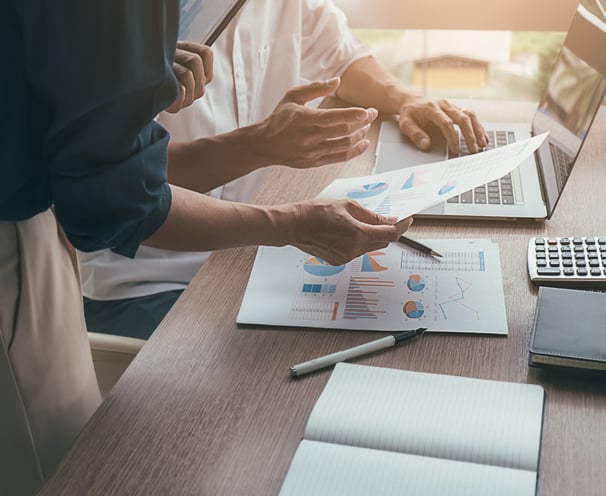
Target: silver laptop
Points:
(573, 96)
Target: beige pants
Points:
(48, 388)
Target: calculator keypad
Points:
(577, 259)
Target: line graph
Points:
(455, 302)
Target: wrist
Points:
(248, 145)
(402, 97)
(285, 220)
(258, 144)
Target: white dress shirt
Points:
(272, 46)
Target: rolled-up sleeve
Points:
(101, 71)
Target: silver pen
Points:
(356, 351)
(418, 246)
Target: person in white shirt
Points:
(249, 118)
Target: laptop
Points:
(567, 109)
(203, 21)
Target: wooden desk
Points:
(207, 408)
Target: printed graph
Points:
(415, 283)
(319, 289)
(385, 207)
(368, 191)
(452, 261)
(414, 180)
(447, 188)
(318, 267)
(314, 310)
(370, 264)
(455, 304)
(397, 201)
(413, 309)
(363, 299)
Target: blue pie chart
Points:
(415, 283)
(318, 267)
(368, 190)
(414, 309)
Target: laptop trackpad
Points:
(395, 151)
(393, 156)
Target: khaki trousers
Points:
(48, 388)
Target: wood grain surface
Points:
(208, 407)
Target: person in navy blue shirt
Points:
(83, 164)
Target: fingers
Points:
(339, 230)
(415, 118)
(322, 149)
(338, 157)
(344, 120)
(307, 92)
(304, 137)
(410, 128)
(468, 123)
(192, 54)
(193, 68)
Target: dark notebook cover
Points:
(569, 329)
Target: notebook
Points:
(392, 432)
(203, 21)
(569, 329)
(575, 90)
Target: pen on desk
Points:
(418, 246)
(356, 351)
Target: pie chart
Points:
(414, 309)
(368, 190)
(318, 267)
(415, 283)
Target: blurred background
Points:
(490, 49)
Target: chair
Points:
(111, 356)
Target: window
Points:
(507, 65)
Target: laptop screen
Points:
(572, 98)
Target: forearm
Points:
(368, 84)
(207, 163)
(201, 223)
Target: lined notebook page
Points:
(442, 416)
(321, 469)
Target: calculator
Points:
(570, 260)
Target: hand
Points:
(303, 137)
(415, 117)
(339, 231)
(193, 68)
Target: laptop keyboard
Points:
(563, 163)
(499, 192)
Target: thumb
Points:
(404, 224)
(409, 128)
(367, 216)
(307, 92)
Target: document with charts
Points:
(404, 192)
(391, 289)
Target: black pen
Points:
(356, 351)
(418, 246)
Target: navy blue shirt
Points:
(80, 85)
